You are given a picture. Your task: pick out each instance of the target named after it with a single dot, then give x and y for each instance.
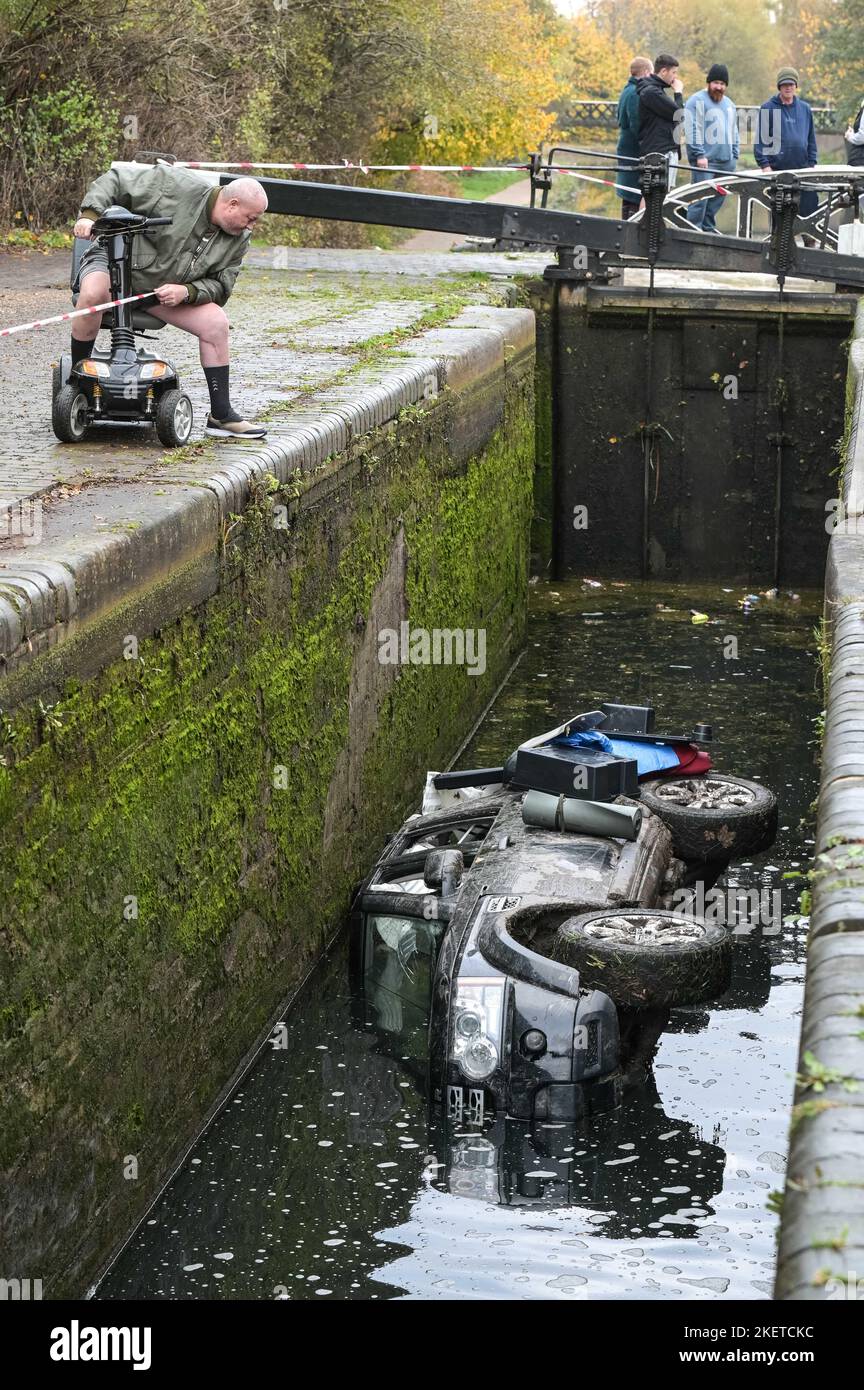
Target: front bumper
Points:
(558, 1045)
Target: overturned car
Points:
(547, 958)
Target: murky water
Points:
(326, 1177)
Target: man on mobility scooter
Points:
(190, 265)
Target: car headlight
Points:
(150, 370)
(478, 1016)
(91, 368)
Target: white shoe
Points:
(233, 429)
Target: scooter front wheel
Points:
(174, 418)
(69, 414)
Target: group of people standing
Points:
(654, 118)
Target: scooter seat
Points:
(141, 320)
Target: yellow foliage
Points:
(599, 64)
(493, 77)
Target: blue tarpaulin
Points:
(649, 757)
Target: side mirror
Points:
(444, 869)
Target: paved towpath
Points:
(517, 195)
(301, 320)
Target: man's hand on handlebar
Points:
(82, 228)
(171, 295)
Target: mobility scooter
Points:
(123, 386)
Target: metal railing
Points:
(604, 114)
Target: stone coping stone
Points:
(822, 1225)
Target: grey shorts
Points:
(94, 258)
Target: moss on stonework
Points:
(181, 833)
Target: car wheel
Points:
(70, 414)
(713, 817)
(647, 958)
(174, 418)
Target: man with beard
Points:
(713, 145)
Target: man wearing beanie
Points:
(713, 146)
(787, 136)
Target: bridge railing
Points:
(604, 115)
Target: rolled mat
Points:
(585, 817)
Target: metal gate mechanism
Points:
(590, 248)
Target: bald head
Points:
(239, 205)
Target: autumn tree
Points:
(835, 48)
(699, 33)
(311, 80)
(492, 71)
(598, 61)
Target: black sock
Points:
(220, 401)
(80, 350)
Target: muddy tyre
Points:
(712, 817)
(647, 958)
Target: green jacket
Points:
(627, 175)
(192, 251)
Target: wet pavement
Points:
(325, 1175)
(301, 321)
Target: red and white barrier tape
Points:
(364, 168)
(398, 168)
(608, 182)
(132, 298)
(73, 314)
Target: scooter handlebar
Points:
(158, 222)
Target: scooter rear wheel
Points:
(69, 414)
(174, 418)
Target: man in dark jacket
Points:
(661, 112)
(787, 136)
(854, 139)
(627, 177)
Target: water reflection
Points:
(618, 1166)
